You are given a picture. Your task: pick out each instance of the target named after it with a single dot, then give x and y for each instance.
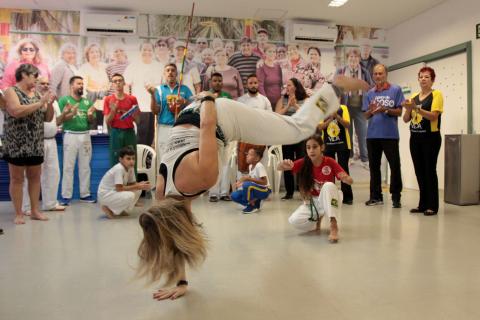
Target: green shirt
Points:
(80, 121)
(224, 94)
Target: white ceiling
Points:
(372, 13)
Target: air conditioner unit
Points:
(300, 31)
(108, 23)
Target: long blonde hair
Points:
(171, 239)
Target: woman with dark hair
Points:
(288, 105)
(424, 111)
(23, 138)
(28, 51)
(316, 179)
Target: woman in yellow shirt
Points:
(424, 111)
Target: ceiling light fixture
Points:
(337, 3)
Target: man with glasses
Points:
(119, 116)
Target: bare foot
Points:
(333, 236)
(139, 204)
(19, 219)
(350, 84)
(38, 216)
(108, 212)
(124, 214)
(319, 222)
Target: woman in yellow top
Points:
(424, 111)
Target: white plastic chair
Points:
(143, 152)
(232, 162)
(275, 156)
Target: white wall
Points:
(448, 24)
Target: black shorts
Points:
(24, 161)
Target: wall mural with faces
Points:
(214, 41)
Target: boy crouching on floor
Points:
(255, 187)
(118, 190)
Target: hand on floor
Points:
(172, 293)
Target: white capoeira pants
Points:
(119, 201)
(328, 203)
(222, 187)
(163, 132)
(49, 179)
(76, 144)
(242, 123)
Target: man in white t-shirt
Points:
(255, 187)
(253, 98)
(119, 191)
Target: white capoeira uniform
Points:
(238, 122)
(328, 203)
(50, 176)
(76, 144)
(118, 201)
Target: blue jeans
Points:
(358, 120)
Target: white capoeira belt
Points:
(76, 132)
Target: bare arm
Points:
(342, 121)
(153, 102)
(144, 185)
(429, 115)
(16, 110)
(207, 154)
(175, 292)
(285, 165)
(50, 112)
(345, 178)
(280, 108)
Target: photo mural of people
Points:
(235, 48)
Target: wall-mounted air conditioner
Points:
(301, 31)
(108, 23)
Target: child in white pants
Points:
(119, 191)
(316, 177)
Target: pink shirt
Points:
(9, 75)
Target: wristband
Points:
(182, 283)
(207, 98)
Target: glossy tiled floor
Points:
(389, 264)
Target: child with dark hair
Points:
(119, 191)
(316, 179)
(255, 187)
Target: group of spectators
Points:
(254, 75)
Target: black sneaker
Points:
(373, 202)
(213, 199)
(225, 198)
(287, 197)
(396, 204)
(349, 202)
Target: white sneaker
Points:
(365, 165)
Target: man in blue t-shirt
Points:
(382, 107)
(165, 102)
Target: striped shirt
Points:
(246, 65)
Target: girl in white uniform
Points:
(316, 179)
(190, 166)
